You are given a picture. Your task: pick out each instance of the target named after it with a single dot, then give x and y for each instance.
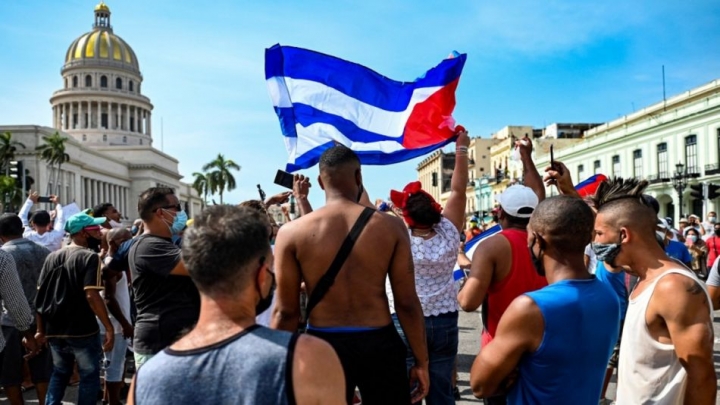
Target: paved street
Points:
(469, 344)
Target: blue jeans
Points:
(87, 351)
(442, 343)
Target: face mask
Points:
(712, 220)
(693, 238)
(134, 230)
(176, 240)
(717, 232)
(265, 302)
(93, 244)
(178, 223)
(114, 224)
(537, 260)
(606, 252)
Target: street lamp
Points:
(679, 182)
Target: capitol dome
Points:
(101, 45)
(101, 101)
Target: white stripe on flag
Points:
(331, 101)
(318, 134)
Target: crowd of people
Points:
(356, 301)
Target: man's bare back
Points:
(305, 248)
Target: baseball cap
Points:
(662, 223)
(518, 201)
(80, 221)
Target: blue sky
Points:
(529, 63)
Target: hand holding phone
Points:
(44, 199)
(284, 179)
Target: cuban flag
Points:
(470, 247)
(590, 185)
(322, 100)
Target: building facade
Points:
(107, 120)
(649, 144)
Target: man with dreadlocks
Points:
(666, 355)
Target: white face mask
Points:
(712, 220)
(114, 224)
(692, 238)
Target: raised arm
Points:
(286, 313)
(682, 304)
(531, 175)
(301, 190)
(408, 309)
(482, 269)
(520, 331)
(559, 176)
(455, 206)
(60, 219)
(25, 209)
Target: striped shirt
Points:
(12, 296)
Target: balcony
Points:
(658, 178)
(693, 172)
(712, 169)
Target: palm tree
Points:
(203, 185)
(220, 178)
(53, 152)
(8, 147)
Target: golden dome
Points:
(102, 7)
(101, 45)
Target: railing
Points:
(658, 178)
(712, 169)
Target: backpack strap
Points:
(327, 280)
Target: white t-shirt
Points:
(122, 295)
(592, 263)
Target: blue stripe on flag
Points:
(311, 157)
(470, 246)
(366, 85)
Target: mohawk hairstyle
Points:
(620, 189)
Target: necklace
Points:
(422, 235)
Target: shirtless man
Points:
(668, 332)
(354, 315)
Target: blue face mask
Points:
(134, 230)
(179, 222)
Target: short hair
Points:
(152, 199)
(420, 209)
(118, 233)
(40, 218)
(254, 204)
(565, 222)
(11, 226)
(100, 209)
(517, 221)
(222, 245)
(336, 156)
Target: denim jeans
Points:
(442, 343)
(87, 351)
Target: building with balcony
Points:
(649, 143)
(107, 120)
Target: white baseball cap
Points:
(518, 201)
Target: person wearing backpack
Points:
(67, 302)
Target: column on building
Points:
(99, 115)
(149, 123)
(127, 117)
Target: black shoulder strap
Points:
(327, 280)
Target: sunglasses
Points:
(177, 207)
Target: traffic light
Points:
(697, 191)
(21, 175)
(16, 169)
(713, 191)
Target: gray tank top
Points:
(253, 367)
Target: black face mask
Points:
(265, 302)
(94, 244)
(717, 232)
(537, 261)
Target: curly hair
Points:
(420, 208)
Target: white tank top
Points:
(649, 372)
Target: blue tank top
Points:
(253, 367)
(582, 321)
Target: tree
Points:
(53, 153)
(203, 185)
(220, 178)
(10, 193)
(8, 147)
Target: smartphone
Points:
(284, 179)
(44, 199)
(552, 157)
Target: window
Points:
(104, 120)
(616, 166)
(130, 85)
(662, 153)
(124, 139)
(637, 163)
(104, 138)
(118, 83)
(596, 166)
(103, 81)
(581, 173)
(66, 83)
(75, 81)
(84, 137)
(88, 81)
(132, 125)
(691, 154)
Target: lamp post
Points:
(679, 182)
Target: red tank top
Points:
(713, 244)
(521, 279)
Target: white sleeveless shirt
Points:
(649, 372)
(434, 261)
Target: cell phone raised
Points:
(284, 179)
(44, 199)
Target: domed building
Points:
(107, 120)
